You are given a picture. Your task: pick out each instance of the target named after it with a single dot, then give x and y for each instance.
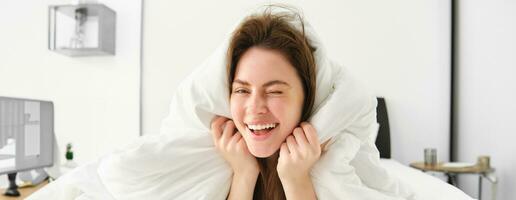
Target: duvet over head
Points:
(182, 163)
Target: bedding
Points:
(84, 183)
(426, 187)
(182, 163)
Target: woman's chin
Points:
(261, 153)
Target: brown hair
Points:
(275, 31)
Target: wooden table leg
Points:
(452, 179)
(480, 187)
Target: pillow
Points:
(373, 136)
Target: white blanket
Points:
(182, 163)
(426, 187)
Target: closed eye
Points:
(275, 92)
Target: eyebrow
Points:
(270, 83)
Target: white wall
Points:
(400, 48)
(487, 91)
(96, 99)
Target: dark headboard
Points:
(383, 140)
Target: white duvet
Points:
(182, 163)
(426, 187)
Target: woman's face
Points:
(266, 100)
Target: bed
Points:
(85, 183)
(425, 186)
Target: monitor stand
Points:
(12, 190)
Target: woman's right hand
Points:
(230, 143)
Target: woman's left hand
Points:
(298, 155)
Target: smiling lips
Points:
(258, 127)
(261, 131)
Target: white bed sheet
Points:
(425, 186)
(87, 185)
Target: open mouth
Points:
(261, 131)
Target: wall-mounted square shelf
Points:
(82, 29)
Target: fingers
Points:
(235, 138)
(228, 132)
(300, 137)
(310, 133)
(234, 141)
(222, 131)
(284, 150)
(216, 126)
(292, 145)
(299, 152)
(303, 141)
(241, 142)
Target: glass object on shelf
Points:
(82, 29)
(77, 40)
(430, 156)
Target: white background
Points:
(487, 91)
(400, 48)
(96, 99)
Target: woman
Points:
(271, 71)
(267, 150)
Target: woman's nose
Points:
(257, 104)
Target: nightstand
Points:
(452, 172)
(24, 191)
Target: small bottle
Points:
(69, 164)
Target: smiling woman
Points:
(261, 80)
(271, 79)
(266, 100)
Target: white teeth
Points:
(260, 126)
